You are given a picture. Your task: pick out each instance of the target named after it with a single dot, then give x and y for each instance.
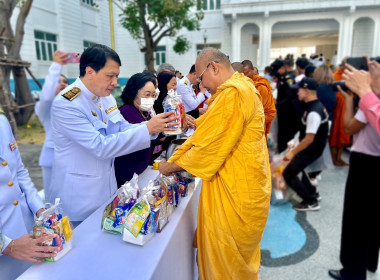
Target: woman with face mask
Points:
(138, 96)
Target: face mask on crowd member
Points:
(145, 97)
(140, 91)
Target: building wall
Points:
(275, 23)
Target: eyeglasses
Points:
(199, 79)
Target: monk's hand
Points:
(163, 167)
(289, 156)
(162, 122)
(26, 248)
(202, 111)
(190, 121)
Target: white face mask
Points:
(146, 104)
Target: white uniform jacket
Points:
(19, 199)
(190, 99)
(89, 132)
(43, 108)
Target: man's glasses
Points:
(199, 79)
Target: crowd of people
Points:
(92, 147)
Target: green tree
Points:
(148, 21)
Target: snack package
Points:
(173, 102)
(137, 217)
(279, 188)
(115, 213)
(277, 168)
(54, 221)
(186, 183)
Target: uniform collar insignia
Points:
(186, 82)
(72, 93)
(109, 110)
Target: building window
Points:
(46, 45)
(208, 4)
(87, 44)
(200, 47)
(160, 55)
(88, 2)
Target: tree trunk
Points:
(149, 45)
(13, 44)
(22, 90)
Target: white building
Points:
(259, 30)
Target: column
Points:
(376, 39)
(265, 42)
(345, 37)
(236, 39)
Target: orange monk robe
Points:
(228, 151)
(265, 90)
(338, 136)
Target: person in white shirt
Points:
(55, 82)
(185, 89)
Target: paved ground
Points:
(295, 245)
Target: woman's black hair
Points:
(134, 84)
(163, 79)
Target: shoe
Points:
(305, 206)
(317, 196)
(335, 274)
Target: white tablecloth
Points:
(100, 255)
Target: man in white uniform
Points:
(19, 201)
(185, 89)
(54, 83)
(89, 132)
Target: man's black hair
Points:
(96, 57)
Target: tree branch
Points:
(24, 11)
(162, 35)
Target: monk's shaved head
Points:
(247, 63)
(211, 54)
(238, 67)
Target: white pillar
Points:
(345, 37)
(265, 41)
(376, 39)
(236, 39)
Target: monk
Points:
(339, 139)
(228, 151)
(265, 90)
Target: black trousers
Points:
(302, 187)
(360, 241)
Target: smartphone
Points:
(359, 63)
(73, 57)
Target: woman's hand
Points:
(28, 249)
(345, 94)
(161, 122)
(357, 81)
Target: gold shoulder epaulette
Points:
(1, 111)
(71, 94)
